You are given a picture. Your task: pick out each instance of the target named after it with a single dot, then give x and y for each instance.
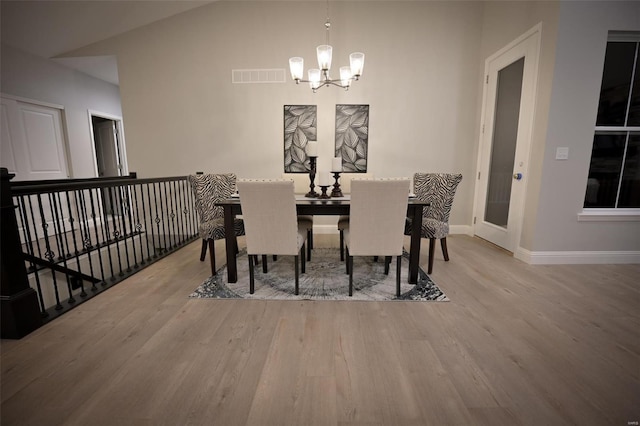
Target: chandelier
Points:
(319, 77)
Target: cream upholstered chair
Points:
(271, 223)
(209, 189)
(301, 186)
(345, 186)
(438, 189)
(376, 222)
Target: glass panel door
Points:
(503, 146)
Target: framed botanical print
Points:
(300, 127)
(352, 137)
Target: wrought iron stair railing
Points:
(79, 237)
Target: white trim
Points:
(630, 36)
(609, 215)
(119, 129)
(32, 101)
(577, 257)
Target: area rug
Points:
(325, 279)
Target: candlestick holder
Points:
(312, 175)
(324, 195)
(336, 192)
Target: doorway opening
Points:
(110, 157)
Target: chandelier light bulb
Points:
(345, 76)
(356, 60)
(296, 66)
(324, 57)
(314, 78)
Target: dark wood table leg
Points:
(416, 235)
(230, 244)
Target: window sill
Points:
(609, 215)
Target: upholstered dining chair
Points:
(345, 185)
(438, 189)
(376, 222)
(208, 190)
(301, 186)
(271, 223)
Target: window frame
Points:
(617, 213)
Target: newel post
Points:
(18, 301)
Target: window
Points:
(614, 173)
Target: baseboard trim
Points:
(577, 257)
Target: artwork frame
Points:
(352, 137)
(300, 127)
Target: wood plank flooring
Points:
(517, 344)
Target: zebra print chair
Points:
(208, 190)
(438, 189)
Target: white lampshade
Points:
(296, 66)
(324, 56)
(357, 63)
(345, 76)
(314, 78)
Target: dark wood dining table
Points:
(328, 207)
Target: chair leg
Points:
(296, 290)
(398, 269)
(341, 245)
(275, 257)
(235, 245)
(203, 252)
(251, 279)
(309, 243)
(350, 267)
(432, 249)
(445, 252)
(304, 261)
(264, 263)
(375, 258)
(212, 256)
(347, 262)
(387, 263)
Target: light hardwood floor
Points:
(517, 344)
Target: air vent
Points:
(274, 75)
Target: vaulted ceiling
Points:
(50, 29)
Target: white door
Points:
(508, 110)
(33, 148)
(32, 141)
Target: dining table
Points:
(335, 206)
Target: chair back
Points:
(301, 182)
(377, 216)
(346, 178)
(269, 214)
(438, 189)
(210, 189)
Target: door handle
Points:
(517, 176)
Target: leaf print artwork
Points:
(352, 137)
(300, 127)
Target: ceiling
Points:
(52, 28)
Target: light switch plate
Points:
(562, 153)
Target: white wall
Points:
(581, 43)
(28, 76)
(421, 81)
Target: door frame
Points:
(120, 135)
(525, 132)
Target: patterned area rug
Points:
(325, 279)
